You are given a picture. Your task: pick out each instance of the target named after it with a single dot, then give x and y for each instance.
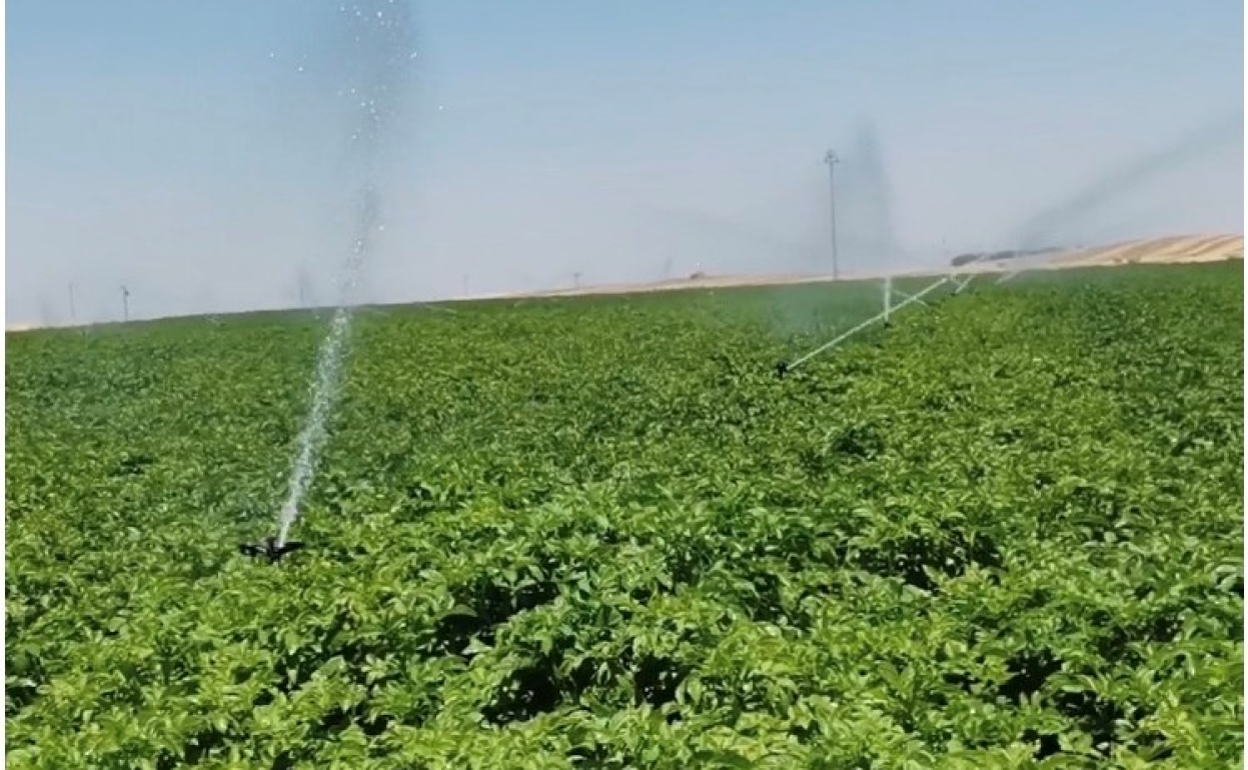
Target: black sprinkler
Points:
(782, 369)
(269, 549)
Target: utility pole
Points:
(125, 304)
(832, 160)
(303, 288)
(73, 316)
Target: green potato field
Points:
(600, 532)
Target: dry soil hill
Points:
(1172, 250)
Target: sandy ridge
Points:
(1182, 249)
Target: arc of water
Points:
(328, 369)
(380, 58)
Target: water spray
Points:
(381, 31)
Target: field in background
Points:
(599, 532)
(1173, 250)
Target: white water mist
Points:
(329, 365)
(324, 388)
(380, 51)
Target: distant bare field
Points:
(1181, 249)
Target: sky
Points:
(200, 154)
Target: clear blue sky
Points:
(178, 149)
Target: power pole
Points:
(832, 160)
(125, 304)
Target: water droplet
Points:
(299, 68)
(441, 107)
(381, 227)
(272, 54)
(414, 54)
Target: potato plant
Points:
(600, 533)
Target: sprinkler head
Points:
(782, 369)
(269, 549)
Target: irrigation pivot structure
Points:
(885, 315)
(954, 278)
